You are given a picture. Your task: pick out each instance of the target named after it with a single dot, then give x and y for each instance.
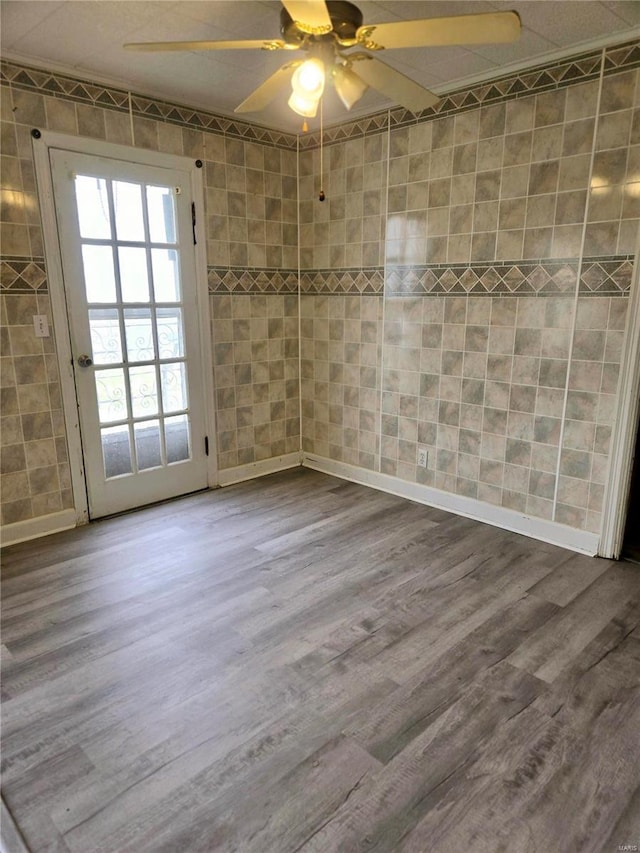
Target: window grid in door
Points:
(132, 284)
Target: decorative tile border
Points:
(504, 279)
(343, 281)
(622, 56)
(600, 276)
(28, 275)
(82, 91)
(22, 275)
(238, 280)
(544, 78)
(606, 276)
(609, 276)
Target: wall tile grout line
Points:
(385, 216)
(585, 219)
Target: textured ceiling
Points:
(85, 37)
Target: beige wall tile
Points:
(28, 108)
(61, 115)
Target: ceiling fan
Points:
(340, 47)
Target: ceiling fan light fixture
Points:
(348, 85)
(324, 28)
(307, 84)
(307, 107)
(308, 79)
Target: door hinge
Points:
(193, 222)
(206, 445)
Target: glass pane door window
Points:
(132, 284)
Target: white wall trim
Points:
(547, 58)
(240, 473)
(114, 151)
(537, 528)
(625, 427)
(33, 528)
(206, 346)
(59, 317)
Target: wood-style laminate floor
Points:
(302, 664)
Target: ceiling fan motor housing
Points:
(345, 18)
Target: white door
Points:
(126, 241)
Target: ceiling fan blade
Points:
(254, 44)
(486, 28)
(312, 14)
(395, 85)
(267, 91)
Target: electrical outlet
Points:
(41, 325)
(423, 457)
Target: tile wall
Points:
(494, 319)
(250, 177)
(256, 376)
(33, 452)
(341, 344)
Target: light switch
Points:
(41, 325)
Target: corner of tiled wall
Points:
(253, 281)
(507, 227)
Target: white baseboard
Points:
(258, 469)
(546, 531)
(32, 528)
(537, 528)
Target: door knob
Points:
(84, 360)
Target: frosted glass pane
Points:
(93, 207)
(144, 391)
(134, 280)
(112, 396)
(166, 275)
(177, 438)
(174, 387)
(116, 451)
(99, 280)
(170, 332)
(139, 334)
(162, 222)
(148, 446)
(127, 201)
(106, 345)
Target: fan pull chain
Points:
(322, 196)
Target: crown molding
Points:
(540, 60)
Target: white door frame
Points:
(625, 427)
(60, 320)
